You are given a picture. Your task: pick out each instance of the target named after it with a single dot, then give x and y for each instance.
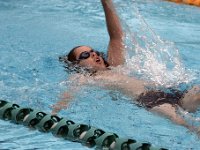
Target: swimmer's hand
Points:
(62, 104)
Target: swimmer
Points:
(90, 65)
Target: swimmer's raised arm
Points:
(115, 47)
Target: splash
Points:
(147, 55)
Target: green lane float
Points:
(18, 114)
(86, 135)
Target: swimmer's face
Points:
(89, 58)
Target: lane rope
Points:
(60, 127)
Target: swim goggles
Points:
(86, 54)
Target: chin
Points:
(97, 68)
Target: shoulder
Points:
(78, 78)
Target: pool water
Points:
(33, 34)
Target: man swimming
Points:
(90, 65)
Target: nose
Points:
(93, 54)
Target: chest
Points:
(125, 84)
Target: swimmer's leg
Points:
(169, 111)
(191, 99)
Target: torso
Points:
(136, 89)
(117, 81)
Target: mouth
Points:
(98, 60)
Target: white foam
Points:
(150, 57)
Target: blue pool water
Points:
(34, 33)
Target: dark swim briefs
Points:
(154, 98)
